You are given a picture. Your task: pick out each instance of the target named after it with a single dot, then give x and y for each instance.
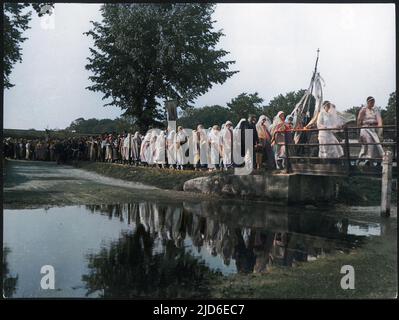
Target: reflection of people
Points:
(369, 117)
(263, 245)
(244, 256)
(328, 119)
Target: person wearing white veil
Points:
(145, 148)
(171, 147)
(181, 147)
(135, 144)
(278, 138)
(214, 148)
(328, 119)
(152, 148)
(264, 148)
(200, 147)
(227, 139)
(125, 148)
(369, 116)
(160, 150)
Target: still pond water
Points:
(153, 250)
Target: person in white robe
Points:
(181, 147)
(108, 149)
(152, 148)
(328, 119)
(369, 116)
(126, 148)
(160, 150)
(214, 142)
(200, 147)
(227, 145)
(171, 147)
(145, 148)
(135, 147)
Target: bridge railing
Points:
(304, 155)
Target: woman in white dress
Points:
(135, 147)
(227, 145)
(171, 147)
(145, 148)
(369, 116)
(181, 147)
(328, 119)
(200, 147)
(125, 148)
(160, 151)
(214, 148)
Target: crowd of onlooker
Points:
(46, 149)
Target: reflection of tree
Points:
(129, 268)
(253, 242)
(9, 282)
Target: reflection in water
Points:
(9, 282)
(167, 252)
(129, 268)
(148, 249)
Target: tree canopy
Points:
(389, 114)
(243, 105)
(16, 21)
(99, 126)
(144, 53)
(207, 116)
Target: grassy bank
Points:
(362, 191)
(375, 266)
(160, 178)
(359, 191)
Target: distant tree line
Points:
(238, 108)
(99, 126)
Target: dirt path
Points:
(35, 183)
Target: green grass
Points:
(375, 268)
(362, 191)
(161, 178)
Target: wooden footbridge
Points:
(303, 158)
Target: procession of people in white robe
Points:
(220, 147)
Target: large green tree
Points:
(389, 114)
(207, 116)
(16, 19)
(144, 53)
(243, 105)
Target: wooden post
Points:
(347, 150)
(386, 187)
(287, 155)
